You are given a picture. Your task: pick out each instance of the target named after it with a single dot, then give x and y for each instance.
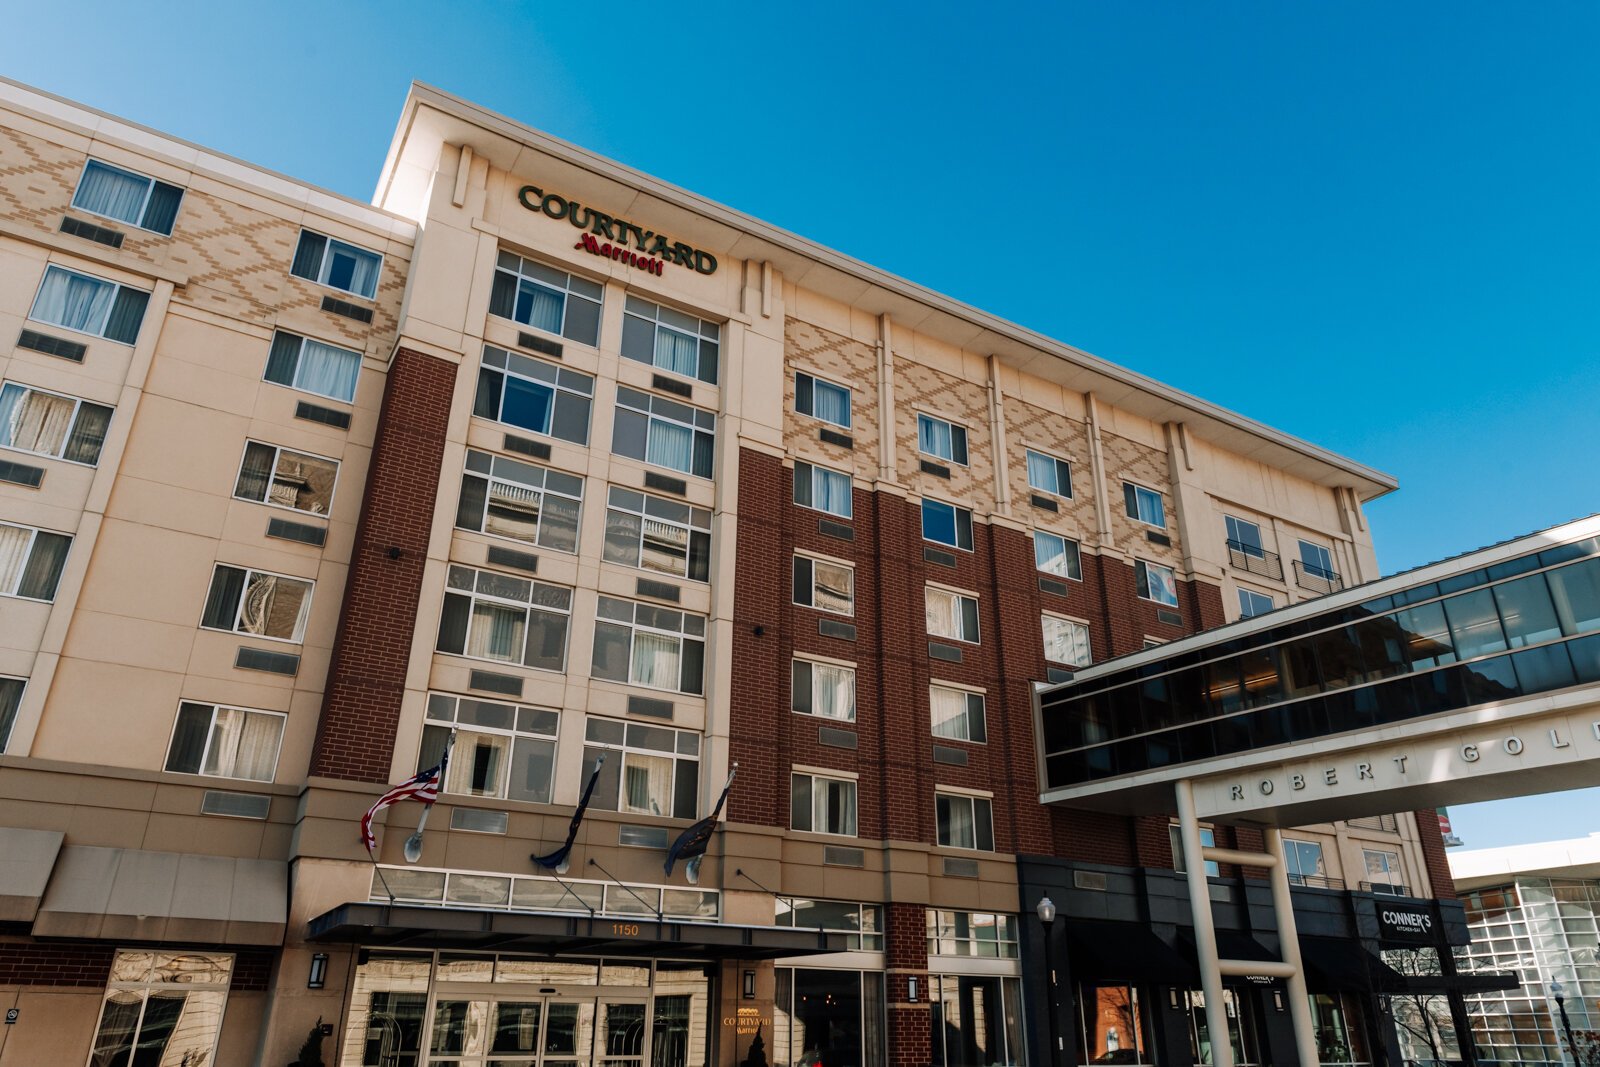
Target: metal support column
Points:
(1205, 931)
(1305, 1035)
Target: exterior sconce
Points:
(749, 985)
(319, 971)
(1172, 998)
(911, 989)
(1277, 1000)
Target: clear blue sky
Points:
(1373, 225)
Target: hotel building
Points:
(547, 459)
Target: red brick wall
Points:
(22, 963)
(252, 970)
(366, 680)
(1433, 856)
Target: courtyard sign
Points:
(617, 239)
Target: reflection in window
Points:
(977, 1022)
(1113, 1025)
(162, 1007)
(828, 1017)
(501, 750)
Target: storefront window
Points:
(161, 1007)
(1238, 1012)
(976, 1021)
(1336, 1020)
(1113, 1026)
(828, 1019)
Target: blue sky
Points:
(1371, 225)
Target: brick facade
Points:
(1434, 859)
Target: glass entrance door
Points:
(620, 1035)
(537, 1032)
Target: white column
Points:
(1205, 931)
(1305, 1036)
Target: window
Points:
(336, 264)
(127, 197)
(1048, 474)
(1244, 536)
(1303, 861)
(1208, 839)
(91, 305)
(510, 620)
(656, 534)
(162, 1007)
(822, 399)
(313, 367)
(224, 742)
(1317, 560)
(31, 561)
(965, 821)
(951, 614)
(822, 805)
(656, 773)
(10, 700)
(1252, 603)
(505, 751)
(1155, 582)
(1065, 641)
(822, 489)
(257, 603)
(946, 440)
(825, 586)
(1057, 555)
(957, 714)
(664, 433)
(1115, 1027)
(1383, 872)
(533, 395)
(286, 479)
(508, 498)
(827, 690)
(946, 524)
(979, 934)
(546, 299)
(641, 644)
(670, 340)
(51, 424)
(1144, 505)
(862, 923)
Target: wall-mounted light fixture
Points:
(749, 985)
(911, 989)
(319, 971)
(1277, 1000)
(1172, 998)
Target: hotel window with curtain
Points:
(336, 264)
(1155, 583)
(533, 395)
(283, 478)
(508, 498)
(225, 742)
(1065, 640)
(824, 585)
(90, 305)
(946, 524)
(826, 690)
(822, 399)
(313, 366)
(951, 614)
(499, 617)
(664, 433)
(957, 714)
(547, 299)
(505, 751)
(823, 490)
(127, 197)
(820, 804)
(641, 644)
(162, 1007)
(941, 439)
(670, 340)
(1057, 555)
(964, 821)
(10, 700)
(31, 561)
(1048, 474)
(657, 534)
(649, 770)
(257, 603)
(52, 424)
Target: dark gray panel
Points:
(839, 856)
(659, 709)
(347, 309)
(829, 528)
(954, 868)
(844, 631)
(490, 682)
(948, 653)
(52, 346)
(480, 822)
(1050, 585)
(836, 738)
(834, 437)
(258, 659)
(677, 486)
(235, 805)
(538, 344)
(659, 590)
(21, 474)
(523, 446)
(303, 532)
(510, 557)
(939, 556)
(955, 757)
(326, 416)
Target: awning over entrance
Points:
(1334, 966)
(1125, 951)
(1467, 984)
(397, 925)
(30, 855)
(133, 895)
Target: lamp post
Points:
(1559, 992)
(1047, 917)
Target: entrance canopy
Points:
(1470, 679)
(400, 925)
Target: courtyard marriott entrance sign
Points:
(611, 237)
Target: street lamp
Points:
(1047, 916)
(1559, 992)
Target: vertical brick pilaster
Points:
(906, 956)
(366, 679)
(1433, 856)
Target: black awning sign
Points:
(1410, 923)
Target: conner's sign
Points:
(617, 239)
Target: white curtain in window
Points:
(73, 300)
(1050, 553)
(676, 351)
(477, 764)
(327, 371)
(831, 491)
(1065, 641)
(112, 193)
(541, 307)
(274, 606)
(34, 421)
(933, 437)
(670, 445)
(13, 555)
(941, 611)
(833, 691)
(949, 713)
(647, 784)
(363, 267)
(1041, 472)
(655, 660)
(831, 403)
(243, 745)
(497, 631)
(959, 829)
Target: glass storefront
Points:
(1112, 1024)
(977, 1021)
(1239, 1018)
(161, 1008)
(1336, 1020)
(486, 1010)
(828, 1018)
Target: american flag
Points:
(424, 787)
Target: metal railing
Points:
(1255, 559)
(1387, 889)
(1317, 579)
(1315, 881)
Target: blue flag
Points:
(557, 860)
(693, 842)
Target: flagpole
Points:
(626, 889)
(374, 858)
(413, 846)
